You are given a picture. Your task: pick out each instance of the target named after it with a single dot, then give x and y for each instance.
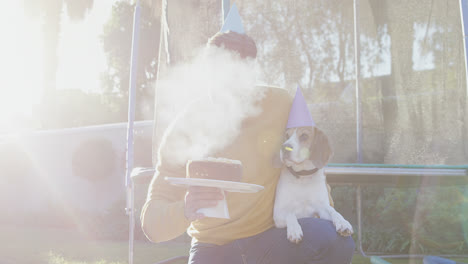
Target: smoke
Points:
(204, 102)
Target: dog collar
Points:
(303, 172)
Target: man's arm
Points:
(162, 216)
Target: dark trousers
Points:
(321, 244)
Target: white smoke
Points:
(205, 103)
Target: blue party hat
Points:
(233, 21)
(299, 115)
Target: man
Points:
(249, 236)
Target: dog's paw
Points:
(295, 233)
(343, 227)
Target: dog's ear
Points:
(320, 149)
(276, 161)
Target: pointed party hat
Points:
(299, 115)
(233, 21)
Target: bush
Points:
(426, 220)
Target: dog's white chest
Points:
(303, 197)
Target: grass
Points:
(60, 246)
(25, 245)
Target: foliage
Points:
(425, 220)
(57, 110)
(319, 42)
(50, 11)
(117, 44)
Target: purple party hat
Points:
(233, 21)
(299, 115)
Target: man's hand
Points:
(200, 197)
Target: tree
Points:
(50, 11)
(117, 42)
(309, 42)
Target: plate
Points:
(229, 186)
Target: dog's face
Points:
(305, 148)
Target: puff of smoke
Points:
(204, 102)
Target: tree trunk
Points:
(51, 29)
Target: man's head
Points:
(233, 41)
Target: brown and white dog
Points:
(302, 188)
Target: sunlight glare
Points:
(80, 53)
(21, 53)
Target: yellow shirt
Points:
(259, 140)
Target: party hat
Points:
(233, 21)
(299, 115)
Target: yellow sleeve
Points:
(162, 216)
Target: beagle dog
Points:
(302, 190)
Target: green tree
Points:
(117, 42)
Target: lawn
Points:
(59, 246)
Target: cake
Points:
(215, 168)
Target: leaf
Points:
(404, 245)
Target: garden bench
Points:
(364, 175)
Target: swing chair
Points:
(390, 79)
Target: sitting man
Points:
(249, 235)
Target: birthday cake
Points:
(215, 168)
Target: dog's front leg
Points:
(343, 227)
(294, 229)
